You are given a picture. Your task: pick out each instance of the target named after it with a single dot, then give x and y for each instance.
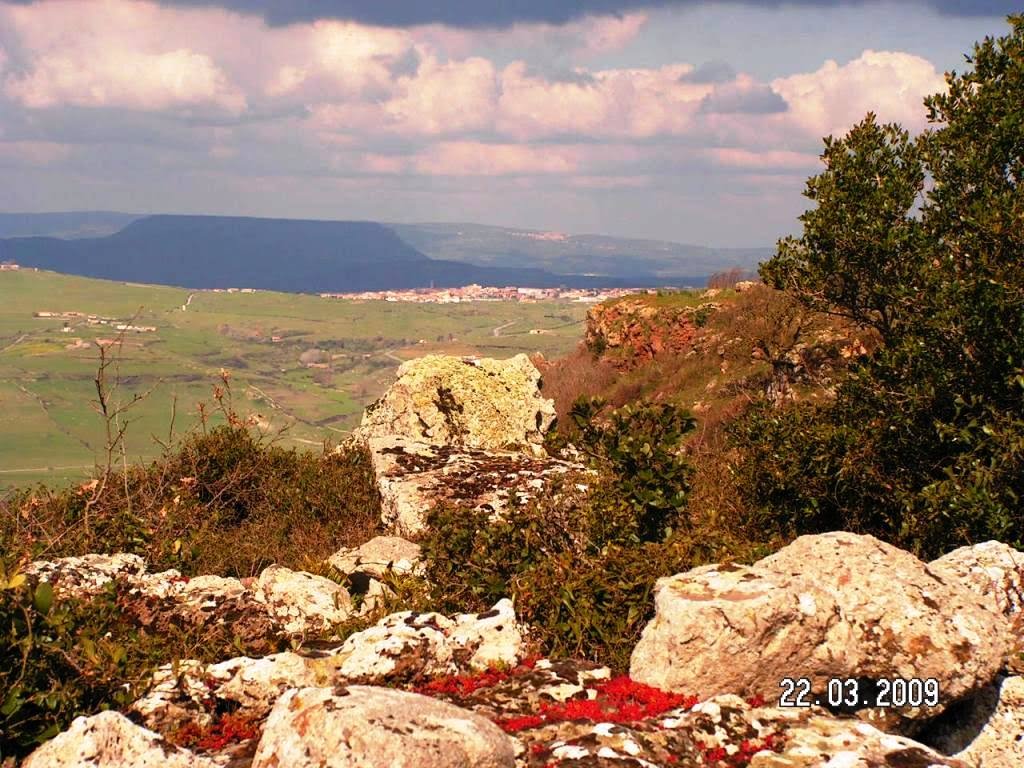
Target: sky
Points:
(681, 120)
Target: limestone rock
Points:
(188, 691)
(369, 566)
(87, 574)
(813, 740)
(111, 740)
(986, 731)
(408, 646)
(413, 477)
(733, 629)
(304, 603)
(365, 727)
(992, 570)
(898, 619)
(380, 557)
(830, 606)
(485, 404)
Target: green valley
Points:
(303, 367)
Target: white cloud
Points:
(832, 99)
(111, 54)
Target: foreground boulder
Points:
(111, 740)
(364, 726)
(833, 606)
(988, 730)
(492, 405)
(992, 570)
(414, 477)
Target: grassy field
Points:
(52, 433)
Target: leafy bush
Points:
(924, 444)
(222, 502)
(639, 447)
(581, 564)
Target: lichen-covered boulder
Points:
(189, 691)
(987, 730)
(304, 603)
(408, 646)
(86, 574)
(898, 618)
(832, 606)
(111, 740)
(414, 477)
(381, 556)
(733, 629)
(477, 403)
(365, 727)
(992, 570)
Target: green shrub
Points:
(639, 447)
(921, 239)
(581, 564)
(223, 501)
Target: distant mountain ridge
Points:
(293, 255)
(628, 258)
(317, 256)
(67, 225)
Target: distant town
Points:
(486, 293)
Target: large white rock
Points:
(413, 477)
(408, 645)
(365, 727)
(733, 629)
(488, 404)
(829, 606)
(304, 603)
(111, 740)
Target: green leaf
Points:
(43, 598)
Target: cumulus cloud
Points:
(830, 100)
(108, 55)
(743, 96)
(468, 158)
(611, 103)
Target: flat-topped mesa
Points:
(484, 404)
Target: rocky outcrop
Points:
(409, 646)
(485, 404)
(111, 740)
(370, 727)
(303, 603)
(87, 574)
(986, 731)
(281, 604)
(825, 607)
(414, 477)
(634, 330)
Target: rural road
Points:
(497, 331)
(16, 342)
